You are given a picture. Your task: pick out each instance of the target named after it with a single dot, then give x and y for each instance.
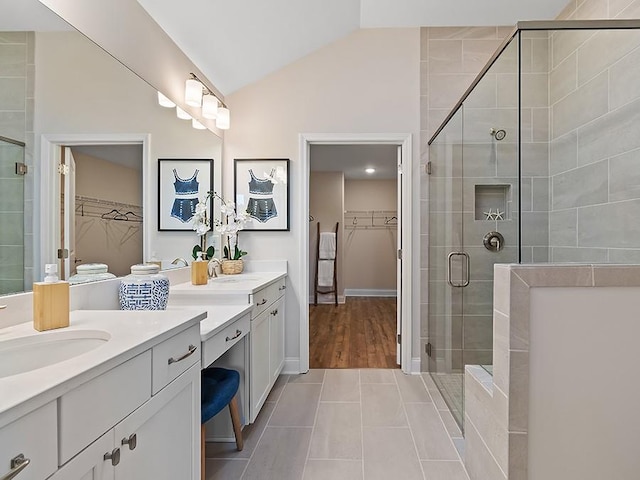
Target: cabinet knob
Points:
(274, 312)
(18, 463)
(132, 441)
(283, 287)
(264, 300)
(114, 456)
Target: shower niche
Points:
(492, 202)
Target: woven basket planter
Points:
(231, 267)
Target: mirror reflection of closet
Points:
(108, 206)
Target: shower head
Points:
(498, 134)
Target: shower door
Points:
(474, 192)
(448, 267)
(11, 216)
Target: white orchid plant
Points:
(229, 225)
(234, 222)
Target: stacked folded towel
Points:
(327, 250)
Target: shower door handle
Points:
(466, 269)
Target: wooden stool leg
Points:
(235, 420)
(202, 452)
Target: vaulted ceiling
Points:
(236, 43)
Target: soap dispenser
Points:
(199, 271)
(50, 301)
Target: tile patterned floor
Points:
(346, 424)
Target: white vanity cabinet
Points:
(31, 439)
(267, 343)
(116, 426)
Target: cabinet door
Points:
(260, 365)
(90, 464)
(276, 340)
(161, 440)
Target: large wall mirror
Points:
(64, 100)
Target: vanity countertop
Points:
(240, 284)
(218, 316)
(130, 333)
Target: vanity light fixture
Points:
(197, 125)
(209, 107)
(182, 114)
(197, 94)
(223, 120)
(193, 92)
(370, 170)
(164, 101)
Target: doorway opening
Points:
(366, 217)
(85, 208)
(353, 244)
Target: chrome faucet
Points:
(178, 260)
(213, 263)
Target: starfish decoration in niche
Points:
(489, 215)
(498, 215)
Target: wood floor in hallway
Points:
(360, 333)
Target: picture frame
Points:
(262, 190)
(182, 183)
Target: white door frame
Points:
(404, 141)
(50, 190)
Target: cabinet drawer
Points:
(222, 341)
(35, 437)
(266, 296)
(174, 356)
(93, 408)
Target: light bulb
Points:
(193, 93)
(164, 101)
(209, 107)
(370, 170)
(182, 114)
(223, 120)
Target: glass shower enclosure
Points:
(11, 216)
(538, 162)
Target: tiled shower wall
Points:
(594, 93)
(17, 76)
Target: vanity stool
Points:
(219, 389)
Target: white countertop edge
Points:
(249, 287)
(23, 393)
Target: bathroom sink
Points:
(23, 354)
(235, 278)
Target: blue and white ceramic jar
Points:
(144, 289)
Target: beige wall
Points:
(114, 242)
(326, 205)
(367, 82)
(370, 253)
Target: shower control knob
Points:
(493, 241)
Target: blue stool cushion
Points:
(219, 386)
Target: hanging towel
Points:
(325, 273)
(327, 245)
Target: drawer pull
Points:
(114, 456)
(18, 463)
(264, 300)
(192, 348)
(282, 287)
(274, 312)
(238, 333)
(132, 441)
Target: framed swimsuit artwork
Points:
(181, 185)
(262, 190)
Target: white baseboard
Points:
(327, 298)
(415, 365)
(364, 292)
(291, 366)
